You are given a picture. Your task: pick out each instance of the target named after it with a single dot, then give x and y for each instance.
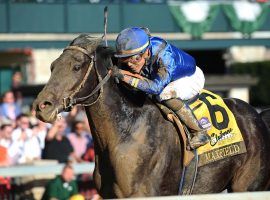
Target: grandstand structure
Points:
(34, 32)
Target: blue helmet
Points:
(131, 41)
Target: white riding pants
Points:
(184, 88)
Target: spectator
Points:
(6, 135)
(89, 154)
(16, 80)
(4, 160)
(25, 146)
(22, 126)
(78, 114)
(9, 109)
(62, 187)
(5, 143)
(15, 86)
(78, 139)
(40, 130)
(57, 146)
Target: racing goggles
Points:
(135, 59)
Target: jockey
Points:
(158, 68)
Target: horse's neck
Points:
(101, 126)
(106, 116)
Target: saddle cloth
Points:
(226, 138)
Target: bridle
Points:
(70, 101)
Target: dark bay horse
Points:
(138, 152)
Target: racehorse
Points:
(137, 151)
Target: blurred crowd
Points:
(24, 138)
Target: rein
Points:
(70, 101)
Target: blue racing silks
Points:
(164, 66)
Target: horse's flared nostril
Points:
(45, 104)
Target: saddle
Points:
(171, 116)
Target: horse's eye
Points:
(76, 67)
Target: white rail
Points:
(44, 168)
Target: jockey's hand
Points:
(116, 73)
(128, 73)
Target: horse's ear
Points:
(94, 42)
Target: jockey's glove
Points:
(116, 73)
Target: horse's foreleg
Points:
(138, 172)
(103, 180)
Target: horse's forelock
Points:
(95, 44)
(87, 42)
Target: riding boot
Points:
(199, 135)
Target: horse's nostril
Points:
(44, 105)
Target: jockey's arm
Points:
(153, 86)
